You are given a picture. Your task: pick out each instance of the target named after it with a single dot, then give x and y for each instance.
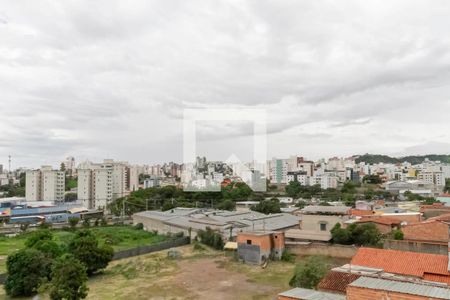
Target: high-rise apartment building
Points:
(44, 184)
(101, 183)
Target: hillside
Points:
(414, 159)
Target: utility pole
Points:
(9, 164)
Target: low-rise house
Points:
(434, 210)
(228, 223)
(432, 231)
(426, 266)
(316, 223)
(257, 247)
(384, 224)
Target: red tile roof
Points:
(361, 212)
(404, 262)
(443, 217)
(380, 220)
(337, 281)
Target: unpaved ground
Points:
(206, 275)
(208, 279)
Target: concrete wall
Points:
(415, 246)
(340, 251)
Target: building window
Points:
(249, 242)
(323, 227)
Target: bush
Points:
(287, 256)
(139, 226)
(68, 279)
(309, 272)
(73, 222)
(86, 223)
(27, 269)
(198, 247)
(211, 238)
(397, 234)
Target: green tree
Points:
(27, 269)
(84, 246)
(270, 206)
(293, 189)
(372, 179)
(227, 204)
(37, 236)
(341, 236)
(309, 272)
(68, 279)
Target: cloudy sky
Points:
(110, 79)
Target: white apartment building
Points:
(101, 183)
(436, 178)
(45, 184)
(133, 173)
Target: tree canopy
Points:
(309, 272)
(68, 279)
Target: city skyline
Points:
(334, 79)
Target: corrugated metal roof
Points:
(305, 294)
(402, 287)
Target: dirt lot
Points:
(205, 275)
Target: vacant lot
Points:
(119, 237)
(197, 275)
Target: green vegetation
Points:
(168, 197)
(309, 272)
(360, 235)
(71, 183)
(211, 238)
(372, 179)
(66, 267)
(413, 159)
(68, 279)
(118, 237)
(268, 206)
(27, 269)
(447, 186)
(85, 247)
(397, 234)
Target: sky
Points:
(111, 79)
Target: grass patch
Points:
(119, 237)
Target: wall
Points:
(415, 246)
(357, 293)
(340, 251)
(312, 222)
(151, 248)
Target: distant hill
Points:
(414, 159)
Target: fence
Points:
(333, 250)
(151, 248)
(138, 250)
